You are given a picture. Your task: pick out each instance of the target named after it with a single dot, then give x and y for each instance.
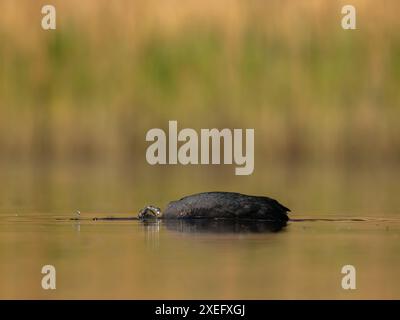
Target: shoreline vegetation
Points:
(93, 88)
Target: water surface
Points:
(340, 216)
(131, 259)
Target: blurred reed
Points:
(111, 71)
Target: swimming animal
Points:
(220, 205)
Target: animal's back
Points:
(226, 205)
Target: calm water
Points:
(130, 259)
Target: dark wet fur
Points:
(226, 205)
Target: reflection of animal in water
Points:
(220, 205)
(223, 226)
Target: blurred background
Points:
(76, 102)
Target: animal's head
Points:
(149, 212)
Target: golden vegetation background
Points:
(91, 89)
